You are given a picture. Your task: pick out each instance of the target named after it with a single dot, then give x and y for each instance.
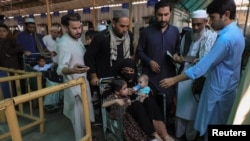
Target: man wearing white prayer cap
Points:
(200, 14)
(199, 22)
(195, 43)
(51, 39)
(31, 41)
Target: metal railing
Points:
(7, 106)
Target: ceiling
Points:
(28, 7)
(192, 5)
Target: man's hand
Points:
(177, 58)
(154, 66)
(94, 81)
(53, 53)
(167, 82)
(27, 53)
(74, 70)
(196, 60)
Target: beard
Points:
(76, 36)
(163, 24)
(117, 33)
(197, 35)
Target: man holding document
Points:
(155, 41)
(194, 45)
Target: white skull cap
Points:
(199, 14)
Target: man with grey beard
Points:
(194, 45)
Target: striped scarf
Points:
(115, 41)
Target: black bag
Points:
(198, 86)
(53, 76)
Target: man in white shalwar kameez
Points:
(50, 41)
(200, 41)
(70, 52)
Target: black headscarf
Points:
(128, 76)
(128, 63)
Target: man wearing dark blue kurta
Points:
(155, 41)
(31, 41)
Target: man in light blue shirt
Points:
(222, 64)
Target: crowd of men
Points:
(171, 61)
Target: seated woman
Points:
(128, 72)
(118, 102)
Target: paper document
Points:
(169, 55)
(189, 58)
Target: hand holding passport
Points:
(189, 59)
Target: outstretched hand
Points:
(167, 82)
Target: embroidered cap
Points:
(120, 13)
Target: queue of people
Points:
(169, 66)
